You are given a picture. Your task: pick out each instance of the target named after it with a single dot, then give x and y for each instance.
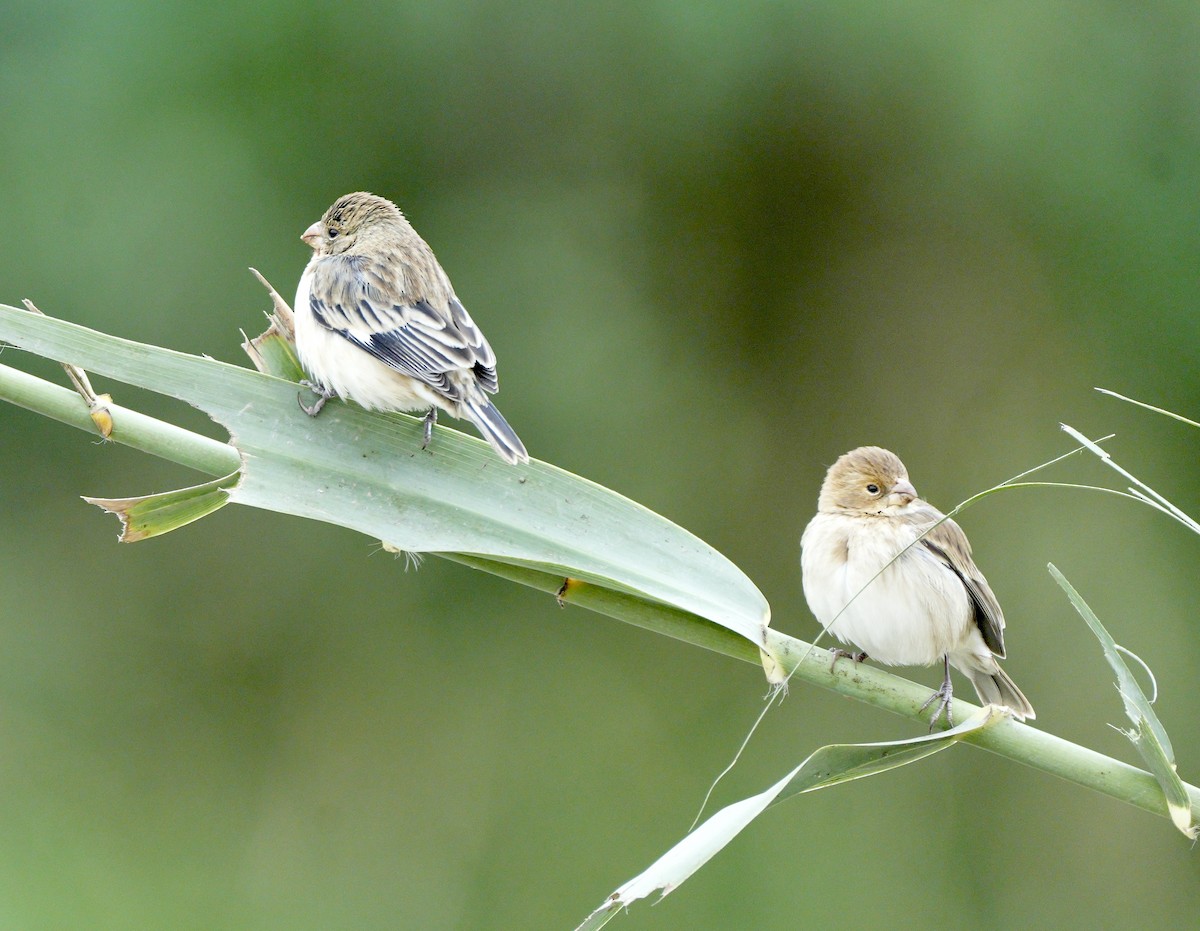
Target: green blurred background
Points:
(714, 245)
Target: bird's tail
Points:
(495, 429)
(996, 688)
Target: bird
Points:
(888, 573)
(377, 322)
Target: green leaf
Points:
(151, 515)
(828, 766)
(1150, 407)
(1147, 733)
(366, 471)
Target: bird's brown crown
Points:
(350, 212)
(861, 479)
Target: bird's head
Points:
(867, 480)
(348, 221)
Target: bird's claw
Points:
(845, 654)
(944, 697)
(323, 394)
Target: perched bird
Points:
(377, 322)
(905, 599)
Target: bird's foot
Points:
(944, 697)
(323, 394)
(845, 654)
(427, 433)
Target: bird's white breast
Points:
(350, 372)
(911, 613)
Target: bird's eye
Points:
(332, 233)
(872, 489)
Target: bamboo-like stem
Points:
(1010, 739)
(148, 434)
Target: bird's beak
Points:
(905, 491)
(313, 234)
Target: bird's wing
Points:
(950, 545)
(355, 297)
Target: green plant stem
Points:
(156, 437)
(1010, 739)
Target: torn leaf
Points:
(273, 351)
(152, 515)
(828, 766)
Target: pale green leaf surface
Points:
(367, 471)
(828, 766)
(1147, 734)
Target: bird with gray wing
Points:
(881, 573)
(378, 323)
